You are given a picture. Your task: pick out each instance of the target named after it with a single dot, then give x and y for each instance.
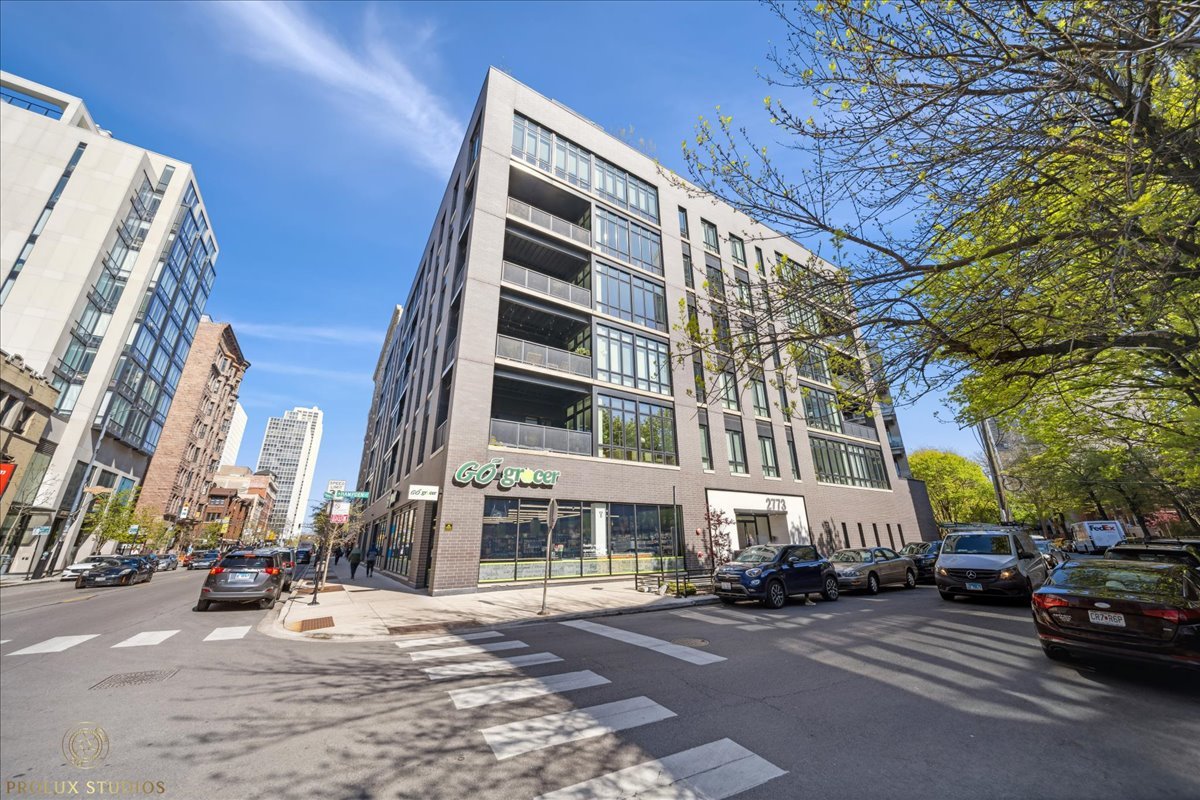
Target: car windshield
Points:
(1110, 576)
(851, 556)
(914, 549)
(759, 554)
(248, 562)
(1043, 545)
(978, 544)
(130, 562)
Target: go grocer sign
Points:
(506, 477)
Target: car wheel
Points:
(946, 595)
(830, 592)
(910, 580)
(872, 584)
(1054, 654)
(776, 595)
(287, 587)
(266, 603)
(128, 579)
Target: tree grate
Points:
(135, 678)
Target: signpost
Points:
(41, 530)
(551, 520)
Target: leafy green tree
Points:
(1013, 190)
(959, 491)
(110, 517)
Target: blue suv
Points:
(770, 573)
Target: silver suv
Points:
(995, 563)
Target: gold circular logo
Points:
(526, 476)
(85, 745)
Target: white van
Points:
(1097, 536)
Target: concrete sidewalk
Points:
(379, 609)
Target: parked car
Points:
(870, 568)
(118, 571)
(204, 559)
(1052, 555)
(288, 558)
(150, 558)
(996, 563)
(169, 561)
(924, 556)
(1173, 551)
(304, 554)
(78, 568)
(243, 577)
(771, 573)
(1139, 610)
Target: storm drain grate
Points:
(316, 623)
(135, 678)
(691, 642)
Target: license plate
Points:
(1106, 618)
(241, 577)
(975, 587)
(726, 585)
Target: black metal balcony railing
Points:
(541, 437)
(544, 284)
(548, 221)
(540, 355)
(861, 431)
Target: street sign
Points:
(417, 492)
(356, 495)
(335, 486)
(41, 530)
(133, 529)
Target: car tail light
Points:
(272, 570)
(1048, 601)
(216, 570)
(1174, 615)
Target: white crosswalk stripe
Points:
(688, 654)
(55, 645)
(510, 691)
(515, 738)
(224, 634)
(5, 641)
(711, 771)
(147, 638)
(429, 641)
(465, 650)
(443, 671)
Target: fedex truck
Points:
(1097, 536)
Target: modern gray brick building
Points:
(537, 338)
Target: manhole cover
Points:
(135, 678)
(316, 623)
(686, 642)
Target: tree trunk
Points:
(1096, 502)
(1136, 510)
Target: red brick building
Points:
(189, 451)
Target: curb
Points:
(273, 626)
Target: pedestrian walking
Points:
(355, 558)
(337, 555)
(372, 554)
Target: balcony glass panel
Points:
(541, 437)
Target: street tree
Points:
(110, 517)
(328, 534)
(959, 491)
(1013, 190)
(715, 543)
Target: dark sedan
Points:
(924, 556)
(1168, 551)
(204, 559)
(1136, 610)
(244, 577)
(118, 571)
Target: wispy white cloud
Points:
(328, 375)
(337, 334)
(381, 88)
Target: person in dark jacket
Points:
(372, 554)
(337, 555)
(355, 559)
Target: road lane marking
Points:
(510, 691)
(709, 618)
(224, 634)
(465, 650)
(711, 771)
(426, 641)
(147, 638)
(55, 645)
(5, 641)
(688, 654)
(444, 671)
(526, 736)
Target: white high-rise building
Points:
(289, 449)
(233, 441)
(106, 264)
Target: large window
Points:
(848, 464)
(736, 446)
(688, 279)
(762, 406)
(815, 364)
(711, 242)
(738, 250)
(634, 430)
(820, 407)
(683, 222)
(629, 297)
(586, 541)
(628, 241)
(531, 142)
(572, 163)
(631, 360)
(766, 450)
(729, 391)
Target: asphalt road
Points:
(899, 696)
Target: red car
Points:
(1138, 610)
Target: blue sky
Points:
(322, 135)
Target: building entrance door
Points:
(753, 529)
